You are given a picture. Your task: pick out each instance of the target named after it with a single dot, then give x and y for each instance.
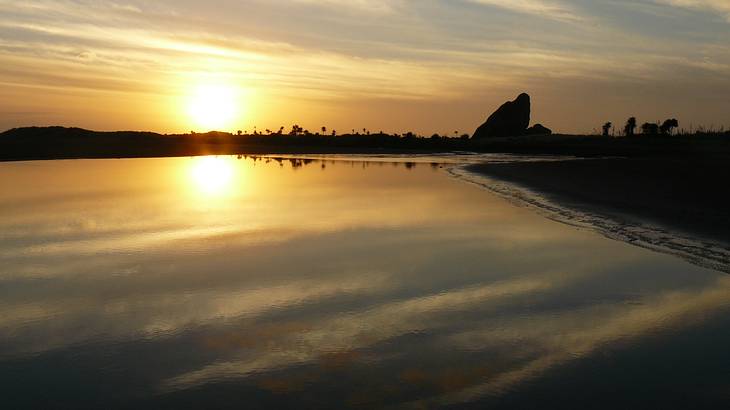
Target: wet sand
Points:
(680, 195)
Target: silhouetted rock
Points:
(511, 119)
(538, 129)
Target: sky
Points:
(428, 66)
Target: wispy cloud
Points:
(721, 7)
(547, 9)
(415, 52)
(376, 6)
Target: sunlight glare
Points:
(213, 175)
(213, 107)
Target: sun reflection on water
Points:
(213, 176)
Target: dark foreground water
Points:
(227, 283)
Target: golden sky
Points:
(394, 65)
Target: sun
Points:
(213, 107)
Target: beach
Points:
(679, 196)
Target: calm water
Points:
(227, 283)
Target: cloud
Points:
(375, 6)
(542, 8)
(415, 52)
(721, 7)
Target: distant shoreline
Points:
(677, 183)
(673, 203)
(45, 143)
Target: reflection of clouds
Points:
(112, 224)
(328, 269)
(362, 329)
(167, 314)
(572, 335)
(249, 303)
(129, 242)
(550, 340)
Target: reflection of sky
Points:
(425, 290)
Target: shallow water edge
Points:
(698, 251)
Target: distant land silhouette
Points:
(35, 143)
(677, 180)
(505, 131)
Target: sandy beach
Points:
(685, 197)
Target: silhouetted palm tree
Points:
(630, 127)
(295, 129)
(606, 128)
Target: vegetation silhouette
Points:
(653, 129)
(668, 125)
(650, 128)
(607, 128)
(505, 131)
(630, 127)
(59, 142)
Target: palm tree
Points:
(630, 127)
(606, 128)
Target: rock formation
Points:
(511, 119)
(538, 129)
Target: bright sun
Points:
(213, 107)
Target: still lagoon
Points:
(224, 282)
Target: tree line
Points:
(297, 131)
(648, 128)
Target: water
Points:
(234, 283)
